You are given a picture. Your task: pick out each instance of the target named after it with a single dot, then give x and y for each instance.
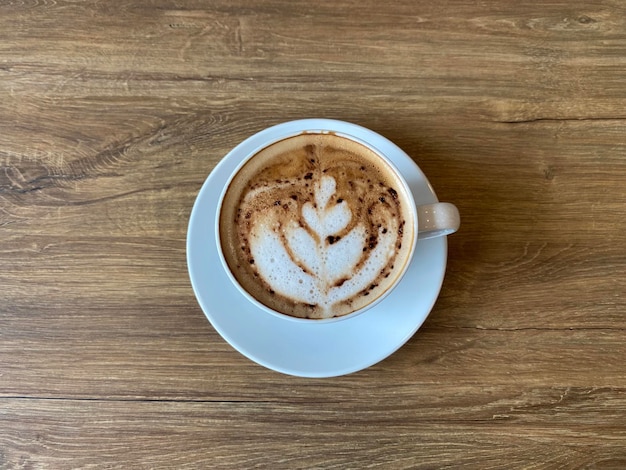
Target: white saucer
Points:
(302, 349)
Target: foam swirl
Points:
(309, 266)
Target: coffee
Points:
(316, 226)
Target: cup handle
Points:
(436, 220)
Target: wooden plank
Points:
(168, 356)
(409, 433)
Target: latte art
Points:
(315, 229)
(312, 264)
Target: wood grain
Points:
(223, 435)
(113, 114)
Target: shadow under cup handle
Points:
(438, 219)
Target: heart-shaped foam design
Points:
(309, 262)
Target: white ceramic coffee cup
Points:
(430, 220)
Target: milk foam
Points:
(301, 264)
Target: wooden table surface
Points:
(112, 115)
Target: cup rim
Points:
(288, 130)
